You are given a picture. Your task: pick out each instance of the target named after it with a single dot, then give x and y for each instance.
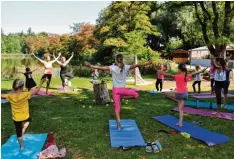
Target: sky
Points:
(52, 17)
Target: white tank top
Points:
(198, 77)
(220, 76)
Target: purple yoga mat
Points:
(206, 95)
(67, 89)
(206, 112)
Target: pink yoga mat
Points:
(206, 112)
(43, 93)
(67, 89)
(206, 95)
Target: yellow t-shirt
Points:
(19, 105)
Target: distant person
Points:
(48, 69)
(63, 71)
(160, 78)
(29, 83)
(212, 72)
(197, 80)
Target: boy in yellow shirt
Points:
(20, 107)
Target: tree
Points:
(123, 25)
(215, 19)
(30, 32)
(76, 27)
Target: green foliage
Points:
(124, 27)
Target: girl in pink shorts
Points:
(119, 74)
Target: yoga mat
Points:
(204, 96)
(67, 89)
(197, 104)
(229, 106)
(33, 145)
(164, 90)
(43, 93)
(206, 112)
(128, 136)
(196, 132)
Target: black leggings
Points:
(212, 84)
(159, 82)
(19, 126)
(219, 85)
(199, 86)
(65, 74)
(48, 77)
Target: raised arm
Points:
(105, 68)
(34, 70)
(56, 59)
(69, 59)
(199, 71)
(38, 58)
(214, 63)
(140, 65)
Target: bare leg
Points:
(117, 115)
(181, 105)
(26, 124)
(20, 139)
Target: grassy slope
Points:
(84, 130)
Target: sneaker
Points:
(148, 147)
(154, 147)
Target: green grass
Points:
(84, 131)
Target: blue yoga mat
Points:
(209, 137)
(200, 104)
(33, 145)
(128, 136)
(3, 101)
(229, 106)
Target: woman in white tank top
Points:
(219, 78)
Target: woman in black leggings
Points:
(220, 78)
(63, 72)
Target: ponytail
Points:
(120, 62)
(183, 68)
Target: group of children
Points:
(119, 71)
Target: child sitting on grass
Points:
(20, 108)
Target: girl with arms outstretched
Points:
(119, 74)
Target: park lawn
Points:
(82, 127)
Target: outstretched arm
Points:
(140, 65)
(3, 95)
(35, 91)
(168, 75)
(38, 58)
(69, 59)
(105, 68)
(214, 63)
(34, 70)
(199, 71)
(20, 72)
(56, 59)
